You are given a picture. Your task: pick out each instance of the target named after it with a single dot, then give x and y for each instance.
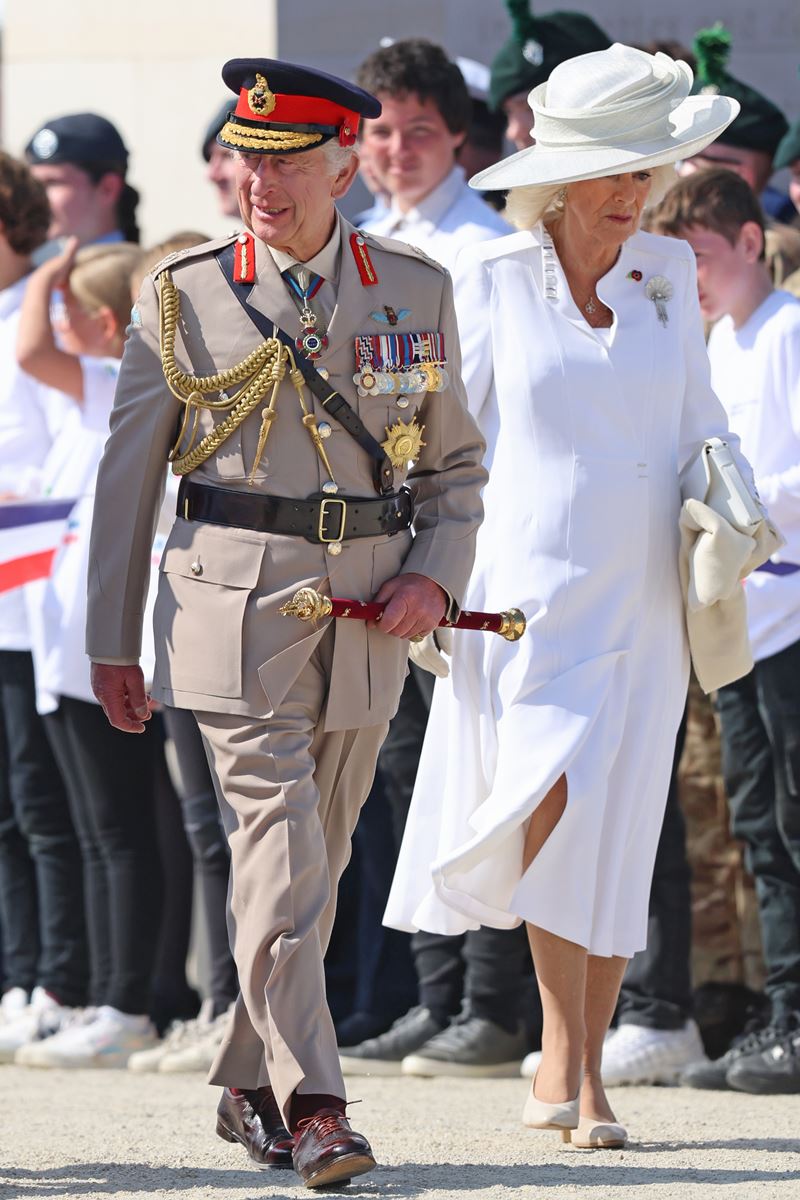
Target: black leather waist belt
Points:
(321, 519)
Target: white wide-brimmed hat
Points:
(609, 112)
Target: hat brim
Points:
(696, 122)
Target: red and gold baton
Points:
(308, 605)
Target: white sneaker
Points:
(530, 1064)
(104, 1037)
(634, 1054)
(43, 1017)
(13, 1004)
(179, 1035)
(199, 1049)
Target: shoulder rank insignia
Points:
(403, 442)
(366, 270)
(389, 315)
(244, 259)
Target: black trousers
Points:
(489, 969)
(209, 851)
(110, 777)
(760, 717)
(657, 989)
(171, 997)
(41, 889)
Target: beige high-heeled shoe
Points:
(589, 1134)
(538, 1114)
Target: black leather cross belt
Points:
(320, 519)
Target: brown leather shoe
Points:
(327, 1150)
(254, 1120)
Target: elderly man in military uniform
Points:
(317, 448)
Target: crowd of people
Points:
(107, 840)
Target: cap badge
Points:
(260, 98)
(533, 52)
(45, 143)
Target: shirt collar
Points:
(326, 263)
(433, 206)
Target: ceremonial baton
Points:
(309, 605)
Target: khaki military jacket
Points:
(221, 645)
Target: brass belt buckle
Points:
(321, 531)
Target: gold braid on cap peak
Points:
(267, 139)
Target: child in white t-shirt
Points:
(754, 349)
(110, 776)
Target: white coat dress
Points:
(588, 431)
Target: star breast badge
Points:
(403, 442)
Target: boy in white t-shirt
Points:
(754, 350)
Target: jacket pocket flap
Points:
(212, 554)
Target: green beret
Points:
(789, 149)
(760, 125)
(536, 46)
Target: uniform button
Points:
(196, 568)
(323, 371)
(242, 238)
(324, 429)
(330, 488)
(401, 402)
(334, 548)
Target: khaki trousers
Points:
(289, 795)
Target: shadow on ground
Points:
(589, 1170)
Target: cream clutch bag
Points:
(714, 478)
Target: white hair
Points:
(337, 157)
(537, 202)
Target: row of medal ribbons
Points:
(397, 364)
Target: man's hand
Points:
(121, 693)
(414, 606)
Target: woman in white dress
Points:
(542, 784)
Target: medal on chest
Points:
(305, 284)
(400, 363)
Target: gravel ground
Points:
(110, 1133)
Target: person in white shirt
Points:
(754, 349)
(110, 778)
(44, 973)
(413, 149)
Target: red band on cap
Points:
(366, 270)
(304, 110)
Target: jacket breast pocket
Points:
(206, 576)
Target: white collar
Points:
(325, 263)
(433, 206)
